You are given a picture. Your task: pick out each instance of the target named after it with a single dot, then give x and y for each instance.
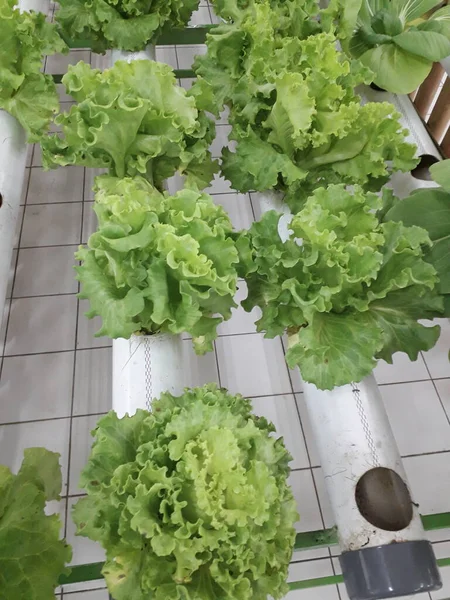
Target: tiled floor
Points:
(56, 377)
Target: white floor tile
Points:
(11, 273)
(42, 324)
(89, 179)
(219, 185)
(443, 389)
(4, 322)
(417, 418)
(87, 329)
(25, 184)
(437, 358)
(241, 321)
(187, 54)
(91, 595)
(59, 63)
(52, 225)
(64, 184)
(401, 370)
(198, 370)
(167, 55)
(252, 366)
(200, 17)
(307, 429)
(324, 500)
(40, 384)
(307, 504)
(312, 570)
(84, 550)
(89, 222)
(37, 154)
(53, 435)
(82, 441)
(221, 140)
(93, 381)
(429, 479)
(45, 271)
(282, 412)
(18, 226)
(443, 551)
(238, 207)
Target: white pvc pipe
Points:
(143, 367)
(353, 435)
(13, 157)
(148, 54)
(36, 5)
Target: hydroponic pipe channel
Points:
(13, 158)
(144, 366)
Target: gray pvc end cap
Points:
(389, 571)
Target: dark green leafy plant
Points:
(399, 42)
(122, 24)
(430, 208)
(347, 288)
(295, 116)
(32, 555)
(133, 119)
(26, 93)
(158, 263)
(190, 501)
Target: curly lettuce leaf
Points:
(294, 113)
(158, 263)
(32, 555)
(123, 24)
(347, 288)
(134, 120)
(26, 93)
(190, 501)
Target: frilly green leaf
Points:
(190, 501)
(158, 263)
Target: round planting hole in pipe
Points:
(422, 171)
(1, 200)
(383, 499)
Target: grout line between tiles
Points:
(77, 316)
(15, 265)
(436, 389)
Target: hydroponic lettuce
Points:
(347, 289)
(26, 93)
(158, 263)
(32, 555)
(190, 501)
(295, 117)
(132, 119)
(123, 24)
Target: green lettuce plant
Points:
(26, 93)
(190, 501)
(158, 263)
(295, 117)
(399, 43)
(430, 208)
(123, 24)
(32, 555)
(133, 119)
(346, 288)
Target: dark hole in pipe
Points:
(422, 171)
(384, 500)
(376, 88)
(1, 200)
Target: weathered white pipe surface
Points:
(143, 367)
(148, 54)
(13, 157)
(417, 132)
(353, 435)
